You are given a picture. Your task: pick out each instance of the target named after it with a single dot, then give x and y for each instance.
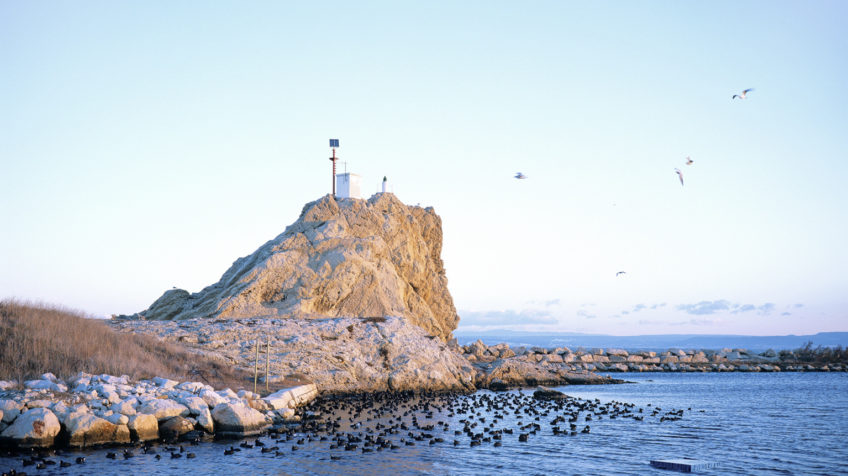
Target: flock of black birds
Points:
(384, 421)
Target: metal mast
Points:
(333, 144)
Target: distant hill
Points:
(651, 342)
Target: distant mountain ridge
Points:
(651, 342)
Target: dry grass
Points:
(37, 338)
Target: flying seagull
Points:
(689, 160)
(619, 273)
(679, 174)
(742, 96)
(520, 176)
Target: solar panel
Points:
(334, 142)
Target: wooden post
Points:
(256, 366)
(267, 362)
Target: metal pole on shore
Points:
(267, 362)
(256, 366)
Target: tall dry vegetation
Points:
(36, 338)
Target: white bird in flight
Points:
(742, 96)
(689, 160)
(620, 272)
(679, 174)
(520, 176)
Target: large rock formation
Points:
(341, 258)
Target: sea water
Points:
(748, 423)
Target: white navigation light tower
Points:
(334, 144)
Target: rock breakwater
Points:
(489, 358)
(352, 355)
(91, 410)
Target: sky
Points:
(147, 145)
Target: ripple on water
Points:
(750, 424)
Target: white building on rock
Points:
(348, 185)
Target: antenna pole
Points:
(333, 158)
(333, 144)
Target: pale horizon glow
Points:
(147, 146)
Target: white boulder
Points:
(37, 427)
(163, 409)
(125, 407)
(238, 420)
(11, 409)
(212, 398)
(165, 383)
(85, 429)
(143, 427)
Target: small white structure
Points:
(384, 184)
(347, 186)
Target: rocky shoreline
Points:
(90, 410)
(487, 358)
(354, 355)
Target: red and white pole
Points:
(333, 158)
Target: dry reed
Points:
(38, 338)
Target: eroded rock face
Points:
(341, 258)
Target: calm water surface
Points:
(749, 423)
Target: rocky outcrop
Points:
(338, 355)
(341, 258)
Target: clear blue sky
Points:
(146, 145)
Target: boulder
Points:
(125, 407)
(204, 420)
(117, 419)
(193, 387)
(143, 427)
(11, 409)
(163, 409)
(7, 385)
(164, 383)
(292, 396)
(175, 427)
(45, 385)
(281, 399)
(40, 403)
(545, 393)
(85, 429)
(196, 405)
(238, 420)
(36, 427)
(212, 398)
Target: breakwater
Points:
(92, 410)
(486, 358)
